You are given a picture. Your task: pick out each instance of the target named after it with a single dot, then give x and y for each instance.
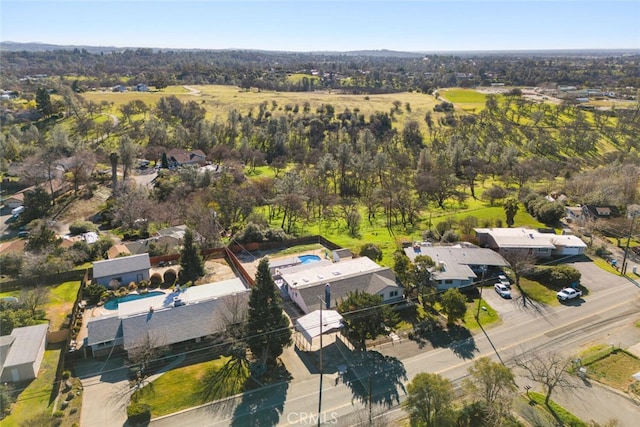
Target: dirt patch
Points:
(216, 271)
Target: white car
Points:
(504, 280)
(569, 293)
(502, 290)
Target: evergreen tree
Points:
(192, 266)
(267, 326)
(366, 316)
(511, 208)
(43, 102)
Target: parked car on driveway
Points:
(502, 290)
(568, 293)
(504, 280)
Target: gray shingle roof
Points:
(121, 265)
(371, 283)
(24, 348)
(103, 329)
(177, 324)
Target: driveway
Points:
(105, 398)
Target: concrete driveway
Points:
(105, 397)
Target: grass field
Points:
(466, 99)
(538, 292)
(488, 316)
(219, 100)
(562, 416)
(181, 388)
(60, 304)
(615, 369)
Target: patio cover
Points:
(309, 325)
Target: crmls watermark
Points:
(308, 418)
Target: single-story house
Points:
(14, 201)
(21, 353)
(574, 213)
(133, 268)
(118, 250)
(181, 157)
(171, 318)
(540, 245)
(567, 245)
(600, 212)
(306, 284)
(458, 266)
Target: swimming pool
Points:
(305, 259)
(112, 304)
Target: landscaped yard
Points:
(538, 292)
(611, 366)
(60, 304)
(488, 316)
(181, 388)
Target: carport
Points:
(314, 324)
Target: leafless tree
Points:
(34, 298)
(550, 369)
(520, 262)
(81, 167)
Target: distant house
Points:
(178, 317)
(458, 266)
(306, 284)
(600, 212)
(180, 157)
(116, 251)
(21, 353)
(574, 214)
(127, 269)
(141, 87)
(519, 239)
(14, 201)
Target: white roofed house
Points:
(458, 266)
(306, 285)
(541, 245)
(133, 268)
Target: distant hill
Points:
(9, 46)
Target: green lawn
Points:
(60, 304)
(181, 388)
(557, 411)
(614, 369)
(488, 316)
(35, 398)
(538, 292)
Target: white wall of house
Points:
(568, 250)
(390, 293)
(443, 285)
(297, 298)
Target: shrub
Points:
(143, 284)
(93, 292)
(450, 236)
(169, 277)
(155, 280)
(58, 414)
(11, 264)
(138, 413)
(372, 251)
(66, 375)
(79, 227)
(132, 286)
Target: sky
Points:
(308, 25)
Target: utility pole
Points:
(623, 268)
(480, 300)
(320, 393)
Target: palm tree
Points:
(511, 208)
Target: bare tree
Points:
(550, 369)
(520, 261)
(81, 167)
(33, 298)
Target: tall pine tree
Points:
(191, 264)
(268, 330)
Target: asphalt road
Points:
(605, 315)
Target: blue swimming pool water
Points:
(308, 258)
(112, 304)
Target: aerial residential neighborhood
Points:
(354, 214)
